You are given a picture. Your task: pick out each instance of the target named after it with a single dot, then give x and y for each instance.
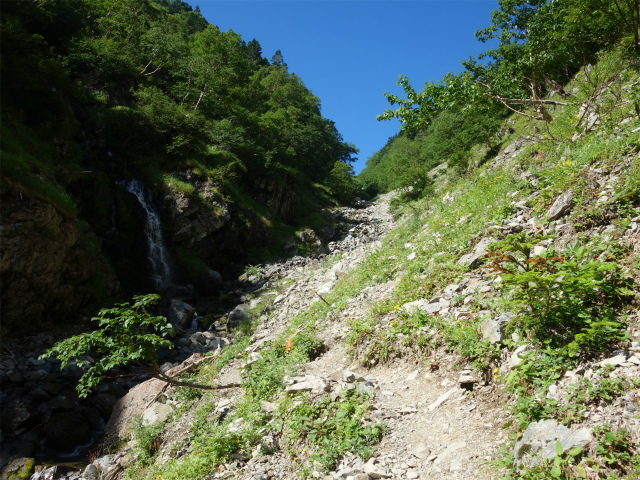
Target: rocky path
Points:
(443, 422)
(436, 428)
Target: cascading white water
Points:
(158, 257)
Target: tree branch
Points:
(511, 108)
(524, 100)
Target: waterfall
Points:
(158, 256)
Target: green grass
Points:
(439, 233)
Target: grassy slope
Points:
(559, 161)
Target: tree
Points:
(342, 183)
(128, 334)
(278, 60)
(542, 43)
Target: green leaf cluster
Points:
(330, 428)
(126, 334)
(564, 301)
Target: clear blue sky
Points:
(349, 52)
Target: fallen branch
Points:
(170, 377)
(322, 298)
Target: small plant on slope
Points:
(127, 334)
(565, 301)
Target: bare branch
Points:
(511, 108)
(525, 100)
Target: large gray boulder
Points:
(538, 442)
(561, 206)
(133, 404)
(474, 258)
(180, 314)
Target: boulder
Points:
(539, 441)
(561, 206)
(90, 473)
(180, 314)
(209, 282)
(238, 314)
(18, 468)
(313, 242)
(492, 330)
(474, 258)
(133, 404)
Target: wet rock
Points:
(66, 431)
(15, 449)
(14, 414)
(18, 468)
(105, 403)
(209, 282)
(61, 403)
(180, 314)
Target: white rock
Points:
(374, 471)
(455, 446)
(456, 466)
(421, 450)
(442, 398)
(613, 361)
(515, 357)
(155, 414)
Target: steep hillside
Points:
(497, 317)
(506, 298)
(232, 151)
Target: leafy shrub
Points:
(331, 428)
(565, 301)
(128, 333)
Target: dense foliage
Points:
(96, 91)
(540, 45)
(162, 81)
